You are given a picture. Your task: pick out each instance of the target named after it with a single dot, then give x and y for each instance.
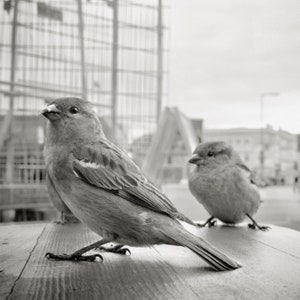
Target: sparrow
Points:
(223, 184)
(100, 184)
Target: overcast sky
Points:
(224, 54)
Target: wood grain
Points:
(16, 244)
(143, 275)
(270, 260)
(271, 267)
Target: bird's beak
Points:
(195, 159)
(51, 112)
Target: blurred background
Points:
(163, 76)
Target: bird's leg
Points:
(254, 224)
(77, 255)
(62, 219)
(210, 222)
(115, 249)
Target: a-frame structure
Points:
(176, 138)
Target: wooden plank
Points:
(143, 275)
(281, 238)
(271, 267)
(271, 264)
(16, 244)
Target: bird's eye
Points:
(74, 110)
(210, 154)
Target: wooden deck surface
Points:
(271, 266)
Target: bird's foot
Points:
(210, 223)
(256, 226)
(73, 257)
(120, 249)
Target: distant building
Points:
(272, 154)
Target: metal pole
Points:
(82, 53)
(159, 60)
(262, 131)
(262, 142)
(10, 146)
(114, 77)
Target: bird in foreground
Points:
(223, 184)
(107, 192)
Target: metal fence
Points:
(110, 52)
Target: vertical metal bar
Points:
(82, 52)
(10, 146)
(159, 89)
(114, 77)
(262, 142)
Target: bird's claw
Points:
(119, 249)
(256, 226)
(264, 228)
(73, 257)
(124, 251)
(210, 223)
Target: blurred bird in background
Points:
(223, 184)
(106, 191)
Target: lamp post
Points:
(262, 138)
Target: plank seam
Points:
(282, 251)
(26, 262)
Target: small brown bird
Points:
(106, 191)
(223, 184)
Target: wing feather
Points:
(250, 174)
(106, 166)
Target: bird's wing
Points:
(249, 173)
(106, 166)
(55, 197)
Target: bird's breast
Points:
(226, 195)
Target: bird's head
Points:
(212, 153)
(72, 118)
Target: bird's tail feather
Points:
(215, 258)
